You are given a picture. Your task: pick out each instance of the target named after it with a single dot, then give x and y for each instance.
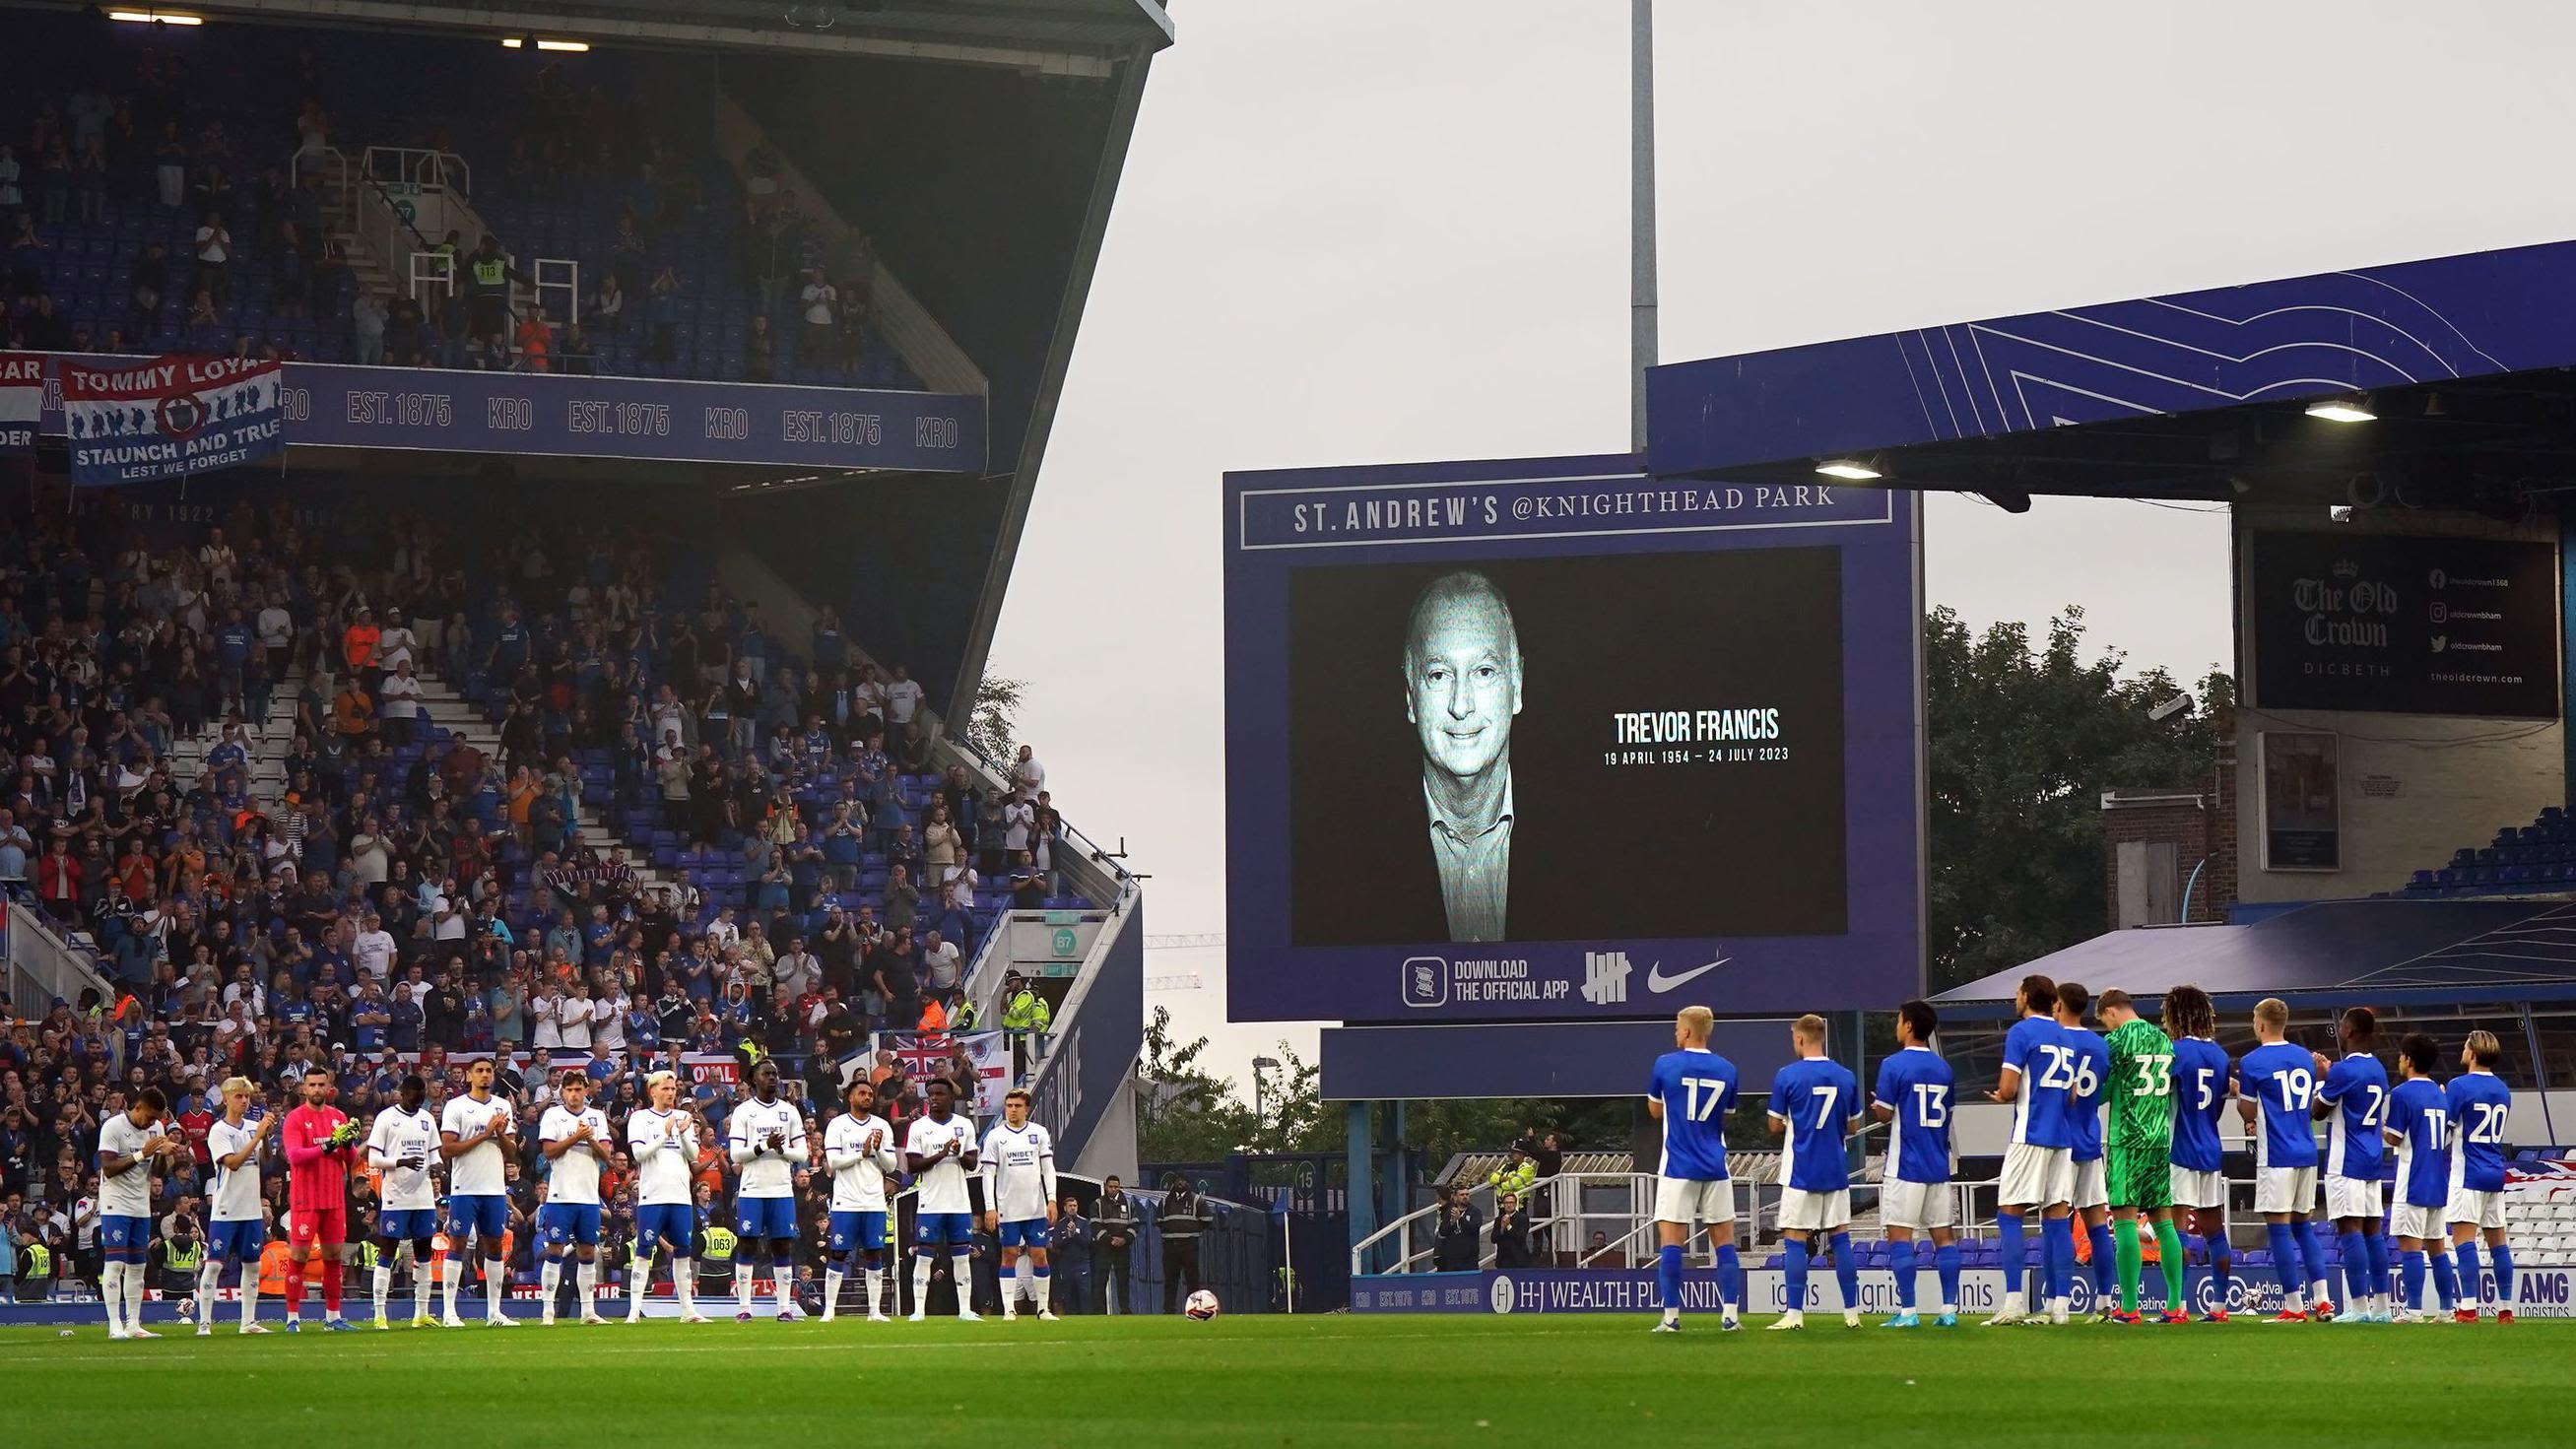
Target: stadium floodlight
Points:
(1848, 468)
(2343, 410)
(522, 42)
(2169, 708)
(155, 17)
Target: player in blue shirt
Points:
(2090, 1204)
(2354, 1104)
(1814, 1102)
(2419, 1127)
(2202, 1078)
(1913, 1097)
(1691, 1091)
(2276, 1085)
(2480, 1103)
(2038, 1079)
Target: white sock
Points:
(249, 1294)
(452, 1272)
(921, 1284)
(111, 1295)
(2317, 1292)
(419, 1283)
(549, 1280)
(1046, 1289)
(585, 1276)
(741, 1286)
(496, 1284)
(684, 1285)
(210, 1278)
(782, 1285)
(134, 1283)
(384, 1284)
(832, 1280)
(962, 1264)
(639, 1276)
(876, 1289)
(1019, 1284)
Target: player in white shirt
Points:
(477, 1136)
(1019, 1202)
(571, 1135)
(664, 1143)
(129, 1144)
(236, 1229)
(767, 1144)
(402, 1146)
(859, 1149)
(939, 1148)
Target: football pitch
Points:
(1338, 1379)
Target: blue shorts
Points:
(480, 1217)
(1026, 1233)
(955, 1229)
(561, 1224)
(672, 1223)
(862, 1231)
(765, 1217)
(395, 1225)
(123, 1240)
(238, 1241)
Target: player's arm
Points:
(1046, 1173)
(990, 1170)
(232, 1161)
(842, 1150)
(741, 1146)
(2331, 1088)
(1655, 1095)
(116, 1164)
(380, 1145)
(914, 1161)
(1777, 1117)
(302, 1148)
(556, 1147)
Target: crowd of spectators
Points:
(133, 219)
(406, 900)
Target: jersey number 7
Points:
(1702, 1094)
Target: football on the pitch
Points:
(1202, 1306)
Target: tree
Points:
(994, 724)
(2022, 743)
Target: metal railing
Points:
(44, 965)
(419, 166)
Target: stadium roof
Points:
(2333, 953)
(2463, 360)
(1079, 38)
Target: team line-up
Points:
(474, 1136)
(2158, 1159)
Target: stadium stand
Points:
(372, 788)
(2540, 856)
(251, 192)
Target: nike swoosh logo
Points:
(1658, 982)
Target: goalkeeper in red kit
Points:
(320, 1142)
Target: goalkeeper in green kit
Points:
(2139, 1169)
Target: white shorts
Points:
(2351, 1197)
(1684, 1201)
(1814, 1211)
(2035, 1176)
(1921, 1206)
(2485, 1209)
(2409, 1220)
(2285, 1190)
(2198, 1189)
(2092, 1188)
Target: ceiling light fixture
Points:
(2343, 410)
(1847, 468)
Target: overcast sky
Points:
(1366, 231)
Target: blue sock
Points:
(2312, 1253)
(2057, 1255)
(2106, 1264)
(2015, 1253)
(1668, 1277)
(2356, 1267)
(2222, 1267)
(2285, 1261)
(2446, 1279)
(1730, 1278)
(2473, 1287)
(1847, 1272)
(2410, 1279)
(1948, 1258)
(2501, 1256)
(1900, 1261)
(2375, 1243)
(1793, 1274)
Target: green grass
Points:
(1376, 1380)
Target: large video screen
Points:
(1551, 740)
